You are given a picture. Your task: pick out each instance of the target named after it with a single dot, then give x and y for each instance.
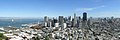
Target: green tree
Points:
(47, 38)
(37, 38)
(2, 36)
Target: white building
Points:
(56, 24)
(45, 24)
(65, 25)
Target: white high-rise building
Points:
(65, 25)
(56, 24)
(45, 24)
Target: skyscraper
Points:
(54, 21)
(70, 18)
(84, 20)
(61, 20)
(74, 22)
(46, 19)
(84, 16)
(65, 19)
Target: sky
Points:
(55, 8)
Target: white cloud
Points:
(88, 9)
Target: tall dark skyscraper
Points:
(84, 16)
(65, 19)
(84, 22)
(54, 21)
(61, 20)
(70, 18)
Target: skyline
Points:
(41, 8)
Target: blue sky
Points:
(51, 8)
